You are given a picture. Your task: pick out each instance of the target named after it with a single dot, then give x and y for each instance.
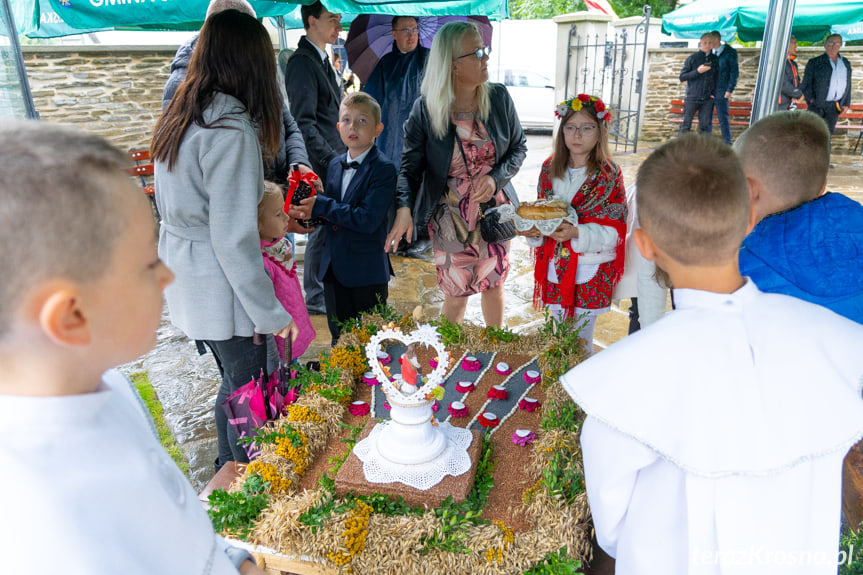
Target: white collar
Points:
(359, 158)
(322, 53)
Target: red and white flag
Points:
(601, 6)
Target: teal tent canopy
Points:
(164, 14)
(747, 18)
(849, 31)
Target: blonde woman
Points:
(463, 144)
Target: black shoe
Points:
(421, 250)
(316, 309)
(313, 366)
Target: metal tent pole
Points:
(19, 60)
(771, 65)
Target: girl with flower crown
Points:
(577, 266)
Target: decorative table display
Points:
(506, 432)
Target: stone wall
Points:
(663, 86)
(113, 91)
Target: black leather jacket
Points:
(426, 158)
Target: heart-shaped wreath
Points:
(424, 335)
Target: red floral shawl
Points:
(601, 200)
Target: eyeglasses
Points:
(833, 44)
(585, 130)
(480, 54)
(408, 31)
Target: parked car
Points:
(532, 93)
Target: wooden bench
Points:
(143, 170)
(739, 112)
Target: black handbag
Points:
(492, 230)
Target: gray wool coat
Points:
(209, 230)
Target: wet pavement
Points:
(187, 383)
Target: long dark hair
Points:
(234, 55)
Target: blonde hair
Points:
(599, 155)
(693, 200)
(271, 190)
(789, 152)
(363, 100)
(437, 85)
(82, 209)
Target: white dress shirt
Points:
(838, 80)
(348, 173)
(715, 437)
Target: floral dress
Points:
(601, 199)
(466, 264)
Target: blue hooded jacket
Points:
(813, 252)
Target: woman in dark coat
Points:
(463, 145)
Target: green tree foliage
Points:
(533, 9)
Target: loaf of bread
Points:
(543, 210)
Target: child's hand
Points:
(291, 331)
(565, 231)
(294, 227)
(304, 210)
(484, 189)
(249, 568)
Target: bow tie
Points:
(350, 165)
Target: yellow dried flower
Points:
(270, 473)
(301, 414)
(349, 358)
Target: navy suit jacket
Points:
(816, 81)
(357, 224)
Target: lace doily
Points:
(546, 227)
(454, 460)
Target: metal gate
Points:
(612, 67)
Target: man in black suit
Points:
(726, 81)
(827, 82)
(314, 94)
(699, 72)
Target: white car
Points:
(532, 93)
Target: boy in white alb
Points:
(85, 486)
(715, 437)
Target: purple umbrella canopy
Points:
(370, 38)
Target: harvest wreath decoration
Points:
(285, 505)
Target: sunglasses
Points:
(482, 52)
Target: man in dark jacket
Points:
(314, 95)
(395, 84)
(791, 80)
(699, 72)
(827, 82)
(726, 81)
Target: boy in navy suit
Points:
(360, 187)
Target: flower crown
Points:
(584, 101)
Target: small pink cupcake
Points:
(457, 409)
(502, 368)
(370, 379)
(497, 392)
(383, 357)
(523, 437)
(529, 404)
(531, 376)
(464, 386)
(470, 363)
(488, 420)
(359, 408)
(433, 362)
